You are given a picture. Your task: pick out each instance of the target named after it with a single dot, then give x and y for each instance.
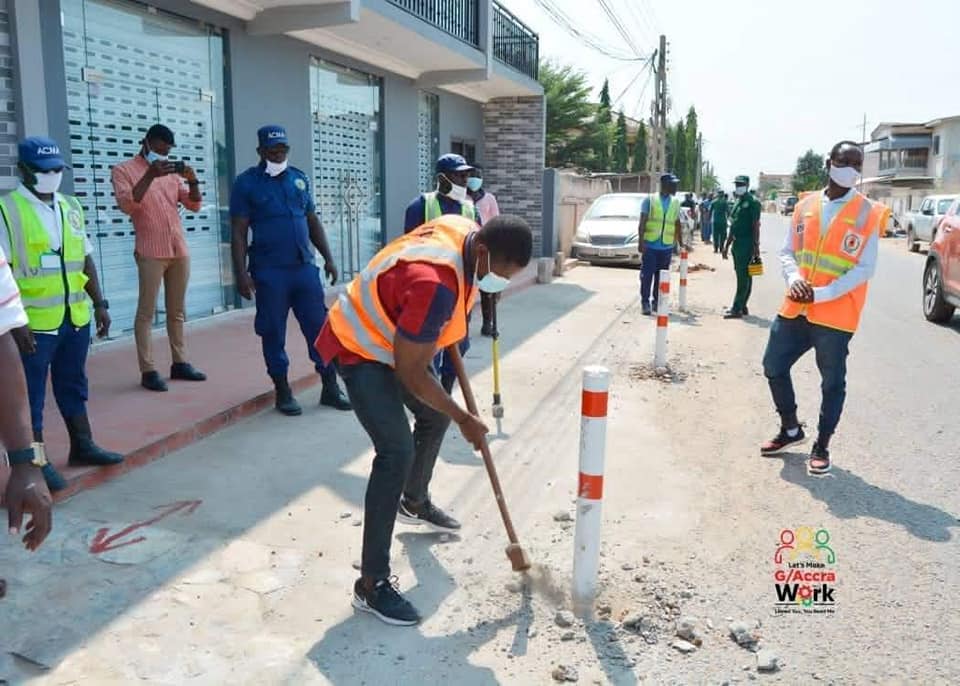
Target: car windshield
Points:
(616, 207)
(944, 205)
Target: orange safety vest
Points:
(359, 319)
(824, 257)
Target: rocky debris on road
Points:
(564, 618)
(346, 515)
(567, 636)
(647, 372)
(688, 630)
(767, 661)
(744, 635)
(684, 646)
(700, 267)
(563, 516)
(633, 621)
(563, 673)
(355, 564)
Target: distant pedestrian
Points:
(659, 231)
(487, 208)
(828, 256)
(720, 210)
(150, 188)
(688, 218)
(706, 219)
(274, 200)
(745, 238)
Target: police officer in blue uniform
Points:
(274, 200)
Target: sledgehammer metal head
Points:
(518, 557)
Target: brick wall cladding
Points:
(8, 126)
(513, 145)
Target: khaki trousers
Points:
(174, 273)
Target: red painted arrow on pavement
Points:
(102, 543)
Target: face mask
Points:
(845, 177)
(152, 157)
(740, 190)
(474, 184)
(48, 182)
(458, 193)
(276, 168)
(492, 283)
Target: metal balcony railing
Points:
(459, 18)
(514, 43)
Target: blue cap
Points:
(272, 135)
(452, 163)
(669, 177)
(42, 154)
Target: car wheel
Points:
(935, 308)
(912, 244)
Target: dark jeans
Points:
(741, 262)
(789, 340)
(64, 356)
(719, 235)
(653, 262)
(403, 461)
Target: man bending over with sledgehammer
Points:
(411, 301)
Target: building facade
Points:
(907, 161)
(370, 91)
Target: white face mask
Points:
(152, 156)
(48, 182)
(458, 193)
(845, 177)
(739, 190)
(276, 168)
(492, 282)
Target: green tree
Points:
(810, 174)
(605, 99)
(709, 179)
(621, 149)
(689, 178)
(571, 137)
(681, 163)
(640, 150)
(604, 129)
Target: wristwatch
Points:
(102, 305)
(34, 455)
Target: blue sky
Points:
(771, 79)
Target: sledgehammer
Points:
(517, 556)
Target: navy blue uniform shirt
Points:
(277, 207)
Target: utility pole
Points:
(657, 159)
(699, 176)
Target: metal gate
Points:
(347, 162)
(126, 69)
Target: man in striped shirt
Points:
(150, 189)
(26, 490)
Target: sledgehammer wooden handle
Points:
(468, 398)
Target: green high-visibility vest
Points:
(47, 290)
(431, 208)
(661, 227)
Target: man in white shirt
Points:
(26, 490)
(828, 256)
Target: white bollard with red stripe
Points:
(684, 267)
(593, 438)
(663, 317)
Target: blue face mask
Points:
(474, 183)
(152, 157)
(492, 283)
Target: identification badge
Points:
(49, 260)
(851, 243)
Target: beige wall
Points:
(574, 195)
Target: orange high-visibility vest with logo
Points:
(825, 256)
(359, 319)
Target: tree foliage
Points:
(571, 126)
(810, 173)
(688, 174)
(640, 143)
(621, 148)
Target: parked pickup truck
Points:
(922, 224)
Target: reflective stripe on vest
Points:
(825, 256)
(42, 289)
(662, 227)
(358, 318)
(432, 209)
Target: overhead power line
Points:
(618, 25)
(593, 42)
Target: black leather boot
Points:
(332, 395)
(285, 402)
(83, 451)
(55, 481)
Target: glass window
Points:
(936, 145)
(943, 206)
(616, 207)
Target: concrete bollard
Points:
(559, 263)
(663, 318)
(593, 438)
(545, 269)
(684, 268)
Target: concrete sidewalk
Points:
(144, 426)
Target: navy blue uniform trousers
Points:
(64, 357)
(279, 290)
